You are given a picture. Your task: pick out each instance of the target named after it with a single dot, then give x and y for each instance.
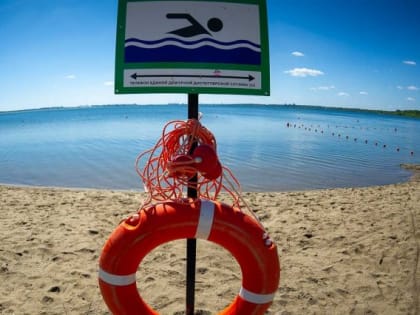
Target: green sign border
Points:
(264, 68)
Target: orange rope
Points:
(169, 169)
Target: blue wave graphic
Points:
(171, 53)
(174, 49)
(206, 40)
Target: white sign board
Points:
(192, 47)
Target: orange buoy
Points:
(227, 226)
(181, 166)
(207, 162)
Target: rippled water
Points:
(269, 148)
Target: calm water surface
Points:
(269, 148)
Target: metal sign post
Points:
(192, 47)
(191, 243)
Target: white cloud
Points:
(363, 93)
(298, 54)
(410, 88)
(323, 88)
(411, 99)
(109, 83)
(304, 72)
(343, 94)
(70, 77)
(409, 62)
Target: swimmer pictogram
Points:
(195, 28)
(194, 33)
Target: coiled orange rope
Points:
(169, 168)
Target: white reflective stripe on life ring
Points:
(205, 221)
(255, 297)
(115, 279)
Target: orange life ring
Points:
(234, 230)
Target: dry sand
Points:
(342, 251)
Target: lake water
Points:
(268, 148)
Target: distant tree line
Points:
(408, 113)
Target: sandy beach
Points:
(342, 251)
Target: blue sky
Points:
(353, 53)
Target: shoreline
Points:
(342, 251)
(413, 168)
(415, 171)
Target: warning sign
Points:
(192, 47)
